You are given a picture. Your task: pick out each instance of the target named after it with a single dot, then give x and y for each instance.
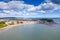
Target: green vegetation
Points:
(18, 22)
(21, 22)
(2, 24)
(48, 20)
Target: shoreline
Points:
(9, 26)
(15, 25)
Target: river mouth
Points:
(32, 32)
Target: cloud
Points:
(49, 7)
(19, 8)
(53, 4)
(16, 8)
(54, 1)
(12, 5)
(45, 8)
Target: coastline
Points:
(15, 25)
(9, 26)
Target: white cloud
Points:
(16, 8)
(3, 5)
(6, 11)
(19, 8)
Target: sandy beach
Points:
(15, 25)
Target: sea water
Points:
(32, 32)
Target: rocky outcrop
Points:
(46, 21)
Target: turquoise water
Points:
(32, 32)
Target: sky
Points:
(30, 8)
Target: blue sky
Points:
(30, 8)
(32, 2)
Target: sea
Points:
(33, 32)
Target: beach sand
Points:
(15, 25)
